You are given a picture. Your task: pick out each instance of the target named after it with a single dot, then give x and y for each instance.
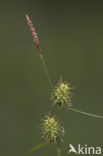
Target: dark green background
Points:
(71, 38)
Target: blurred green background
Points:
(71, 39)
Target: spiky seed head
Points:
(62, 94)
(52, 130)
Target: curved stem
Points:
(85, 113)
(46, 71)
(35, 148)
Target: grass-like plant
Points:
(52, 130)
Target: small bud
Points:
(52, 130)
(62, 94)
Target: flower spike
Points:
(52, 130)
(61, 95)
(36, 41)
(34, 34)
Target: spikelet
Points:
(52, 130)
(62, 94)
(34, 34)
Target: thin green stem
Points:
(36, 148)
(46, 71)
(59, 108)
(58, 152)
(88, 114)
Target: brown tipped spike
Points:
(34, 34)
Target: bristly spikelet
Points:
(52, 130)
(62, 94)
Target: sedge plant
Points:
(51, 129)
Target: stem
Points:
(59, 108)
(81, 112)
(58, 152)
(35, 148)
(46, 71)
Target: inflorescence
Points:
(62, 94)
(52, 130)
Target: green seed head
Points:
(62, 94)
(51, 130)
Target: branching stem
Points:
(51, 85)
(88, 114)
(35, 148)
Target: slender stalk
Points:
(88, 114)
(46, 70)
(59, 108)
(58, 152)
(36, 148)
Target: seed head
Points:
(52, 130)
(62, 94)
(34, 34)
